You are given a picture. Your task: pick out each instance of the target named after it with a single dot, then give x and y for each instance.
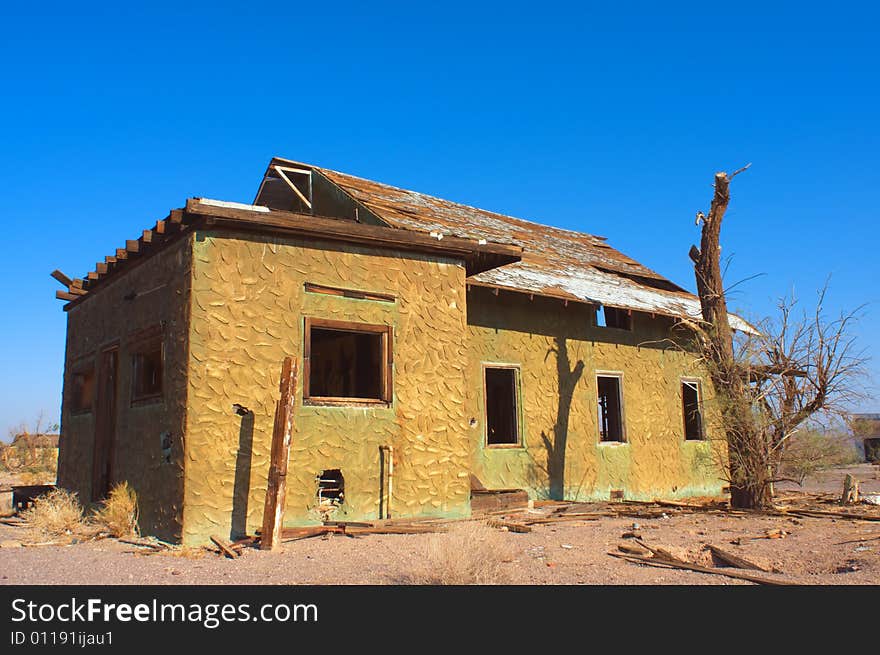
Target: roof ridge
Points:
(445, 200)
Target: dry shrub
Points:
(56, 514)
(470, 554)
(118, 514)
(810, 451)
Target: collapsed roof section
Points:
(558, 263)
(200, 213)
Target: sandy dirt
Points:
(812, 551)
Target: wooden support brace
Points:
(63, 295)
(273, 511)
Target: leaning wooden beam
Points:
(273, 511)
(61, 277)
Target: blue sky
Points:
(609, 118)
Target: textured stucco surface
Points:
(248, 305)
(559, 351)
(233, 307)
(104, 319)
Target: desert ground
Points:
(571, 550)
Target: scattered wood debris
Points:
(678, 564)
(508, 526)
(732, 559)
(659, 556)
(633, 549)
(357, 529)
(148, 543)
(224, 547)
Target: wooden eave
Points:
(199, 214)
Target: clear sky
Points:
(604, 117)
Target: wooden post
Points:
(850, 490)
(273, 511)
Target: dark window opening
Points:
(348, 363)
(612, 317)
(693, 411)
(82, 395)
(331, 490)
(147, 371)
(502, 415)
(610, 414)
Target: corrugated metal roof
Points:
(556, 262)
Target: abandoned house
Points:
(439, 346)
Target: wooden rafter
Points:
(281, 170)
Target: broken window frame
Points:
(387, 359)
(697, 384)
(81, 370)
(623, 320)
(142, 344)
(622, 410)
(519, 442)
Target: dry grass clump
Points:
(186, 552)
(55, 515)
(470, 554)
(118, 514)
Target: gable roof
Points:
(558, 263)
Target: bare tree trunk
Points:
(749, 476)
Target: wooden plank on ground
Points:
(224, 547)
(732, 559)
(509, 525)
(679, 564)
(273, 511)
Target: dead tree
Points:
(771, 382)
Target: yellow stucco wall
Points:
(559, 351)
(248, 305)
(107, 318)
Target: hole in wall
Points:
(331, 491)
